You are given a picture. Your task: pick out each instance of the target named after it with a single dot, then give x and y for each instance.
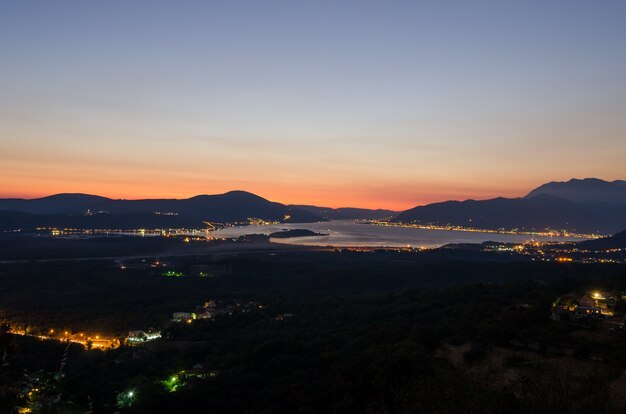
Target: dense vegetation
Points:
(393, 332)
(35, 246)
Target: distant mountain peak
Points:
(69, 209)
(74, 196)
(239, 195)
(57, 203)
(243, 193)
(584, 190)
(584, 205)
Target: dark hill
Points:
(616, 241)
(532, 213)
(14, 220)
(585, 190)
(348, 213)
(54, 204)
(233, 206)
(227, 207)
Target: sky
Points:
(382, 104)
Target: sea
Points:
(349, 233)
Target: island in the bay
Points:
(287, 234)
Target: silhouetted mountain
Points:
(348, 213)
(532, 213)
(588, 205)
(588, 189)
(54, 204)
(13, 220)
(229, 207)
(616, 241)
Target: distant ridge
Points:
(54, 204)
(71, 210)
(585, 190)
(586, 206)
(616, 241)
(349, 213)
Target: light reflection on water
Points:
(346, 233)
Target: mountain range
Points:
(587, 206)
(348, 213)
(584, 191)
(91, 211)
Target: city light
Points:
(450, 227)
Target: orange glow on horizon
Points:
(382, 198)
(259, 100)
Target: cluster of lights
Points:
(67, 336)
(262, 222)
(171, 273)
(450, 227)
(169, 232)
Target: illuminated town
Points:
(542, 233)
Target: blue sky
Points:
(388, 104)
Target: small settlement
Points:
(208, 311)
(213, 309)
(605, 308)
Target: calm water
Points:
(346, 233)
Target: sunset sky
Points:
(384, 104)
